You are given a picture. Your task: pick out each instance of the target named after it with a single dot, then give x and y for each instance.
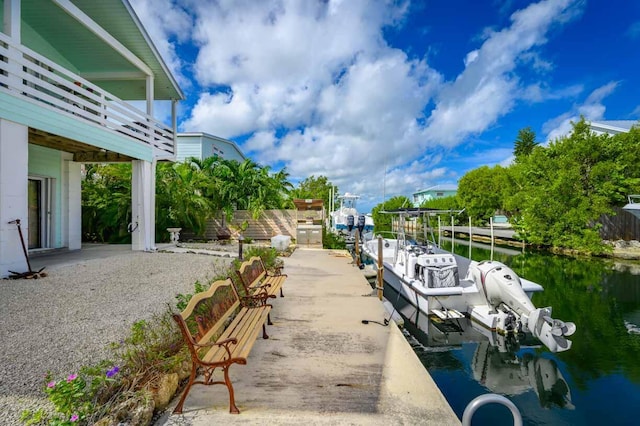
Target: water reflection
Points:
(500, 364)
(599, 376)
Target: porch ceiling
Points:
(82, 153)
(93, 58)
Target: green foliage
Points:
(314, 187)
(106, 203)
(555, 195)
(525, 143)
(482, 192)
(187, 195)
(248, 186)
(269, 256)
(183, 299)
(382, 221)
(78, 398)
(152, 347)
(445, 203)
(331, 240)
(183, 197)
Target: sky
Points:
(387, 97)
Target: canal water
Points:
(596, 382)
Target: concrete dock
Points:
(322, 364)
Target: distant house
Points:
(613, 127)
(203, 145)
(433, 192)
(68, 73)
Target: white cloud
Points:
(487, 88)
(344, 103)
(167, 24)
(592, 109)
(540, 92)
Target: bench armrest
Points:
(224, 343)
(261, 299)
(220, 343)
(277, 273)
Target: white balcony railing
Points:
(27, 74)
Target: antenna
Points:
(384, 182)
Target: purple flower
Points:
(71, 378)
(113, 371)
(51, 384)
(74, 418)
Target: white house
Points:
(204, 145)
(612, 127)
(68, 69)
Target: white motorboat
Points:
(442, 284)
(633, 205)
(346, 217)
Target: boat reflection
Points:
(501, 364)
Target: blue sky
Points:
(426, 90)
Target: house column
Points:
(71, 203)
(143, 236)
(14, 176)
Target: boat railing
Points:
(633, 198)
(490, 398)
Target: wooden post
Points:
(492, 242)
(357, 247)
(470, 237)
(380, 281)
(452, 234)
(439, 233)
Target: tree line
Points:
(553, 195)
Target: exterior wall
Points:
(203, 146)
(14, 153)
(47, 163)
(71, 195)
(188, 146)
(212, 147)
(40, 117)
(420, 197)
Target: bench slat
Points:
(245, 328)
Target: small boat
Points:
(633, 205)
(443, 285)
(344, 218)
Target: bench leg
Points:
(269, 319)
(232, 400)
(281, 293)
(192, 378)
(264, 332)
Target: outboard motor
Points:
(361, 224)
(350, 222)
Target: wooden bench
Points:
(220, 328)
(256, 279)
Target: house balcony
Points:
(53, 89)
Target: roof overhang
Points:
(102, 41)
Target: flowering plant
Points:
(72, 399)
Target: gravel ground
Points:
(66, 320)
